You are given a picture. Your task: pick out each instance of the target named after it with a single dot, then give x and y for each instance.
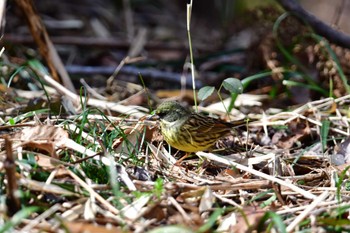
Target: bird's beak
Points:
(153, 117)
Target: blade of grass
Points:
(18, 70)
(339, 183)
(17, 218)
(276, 220)
(21, 117)
(189, 13)
(324, 134)
(300, 84)
(211, 221)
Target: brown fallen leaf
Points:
(42, 137)
(79, 227)
(249, 221)
(134, 137)
(46, 133)
(298, 131)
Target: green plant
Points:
(233, 85)
(276, 221)
(158, 188)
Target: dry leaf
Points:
(207, 201)
(43, 137)
(132, 140)
(298, 132)
(252, 216)
(133, 210)
(79, 227)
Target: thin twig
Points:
(103, 43)
(147, 73)
(185, 216)
(13, 201)
(223, 160)
(312, 206)
(53, 209)
(94, 102)
(109, 206)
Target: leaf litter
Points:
(109, 170)
(288, 173)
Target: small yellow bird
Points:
(189, 131)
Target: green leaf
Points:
(12, 121)
(37, 65)
(158, 187)
(205, 92)
(324, 134)
(233, 85)
(269, 201)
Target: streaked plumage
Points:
(189, 131)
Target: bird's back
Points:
(201, 133)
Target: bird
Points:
(189, 131)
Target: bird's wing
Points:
(204, 125)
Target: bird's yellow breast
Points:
(180, 138)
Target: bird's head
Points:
(172, 111)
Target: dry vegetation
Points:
(86, 159)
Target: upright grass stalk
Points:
(189, 12)
(148, 95)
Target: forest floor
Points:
(78, 153)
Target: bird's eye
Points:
(161, 114)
